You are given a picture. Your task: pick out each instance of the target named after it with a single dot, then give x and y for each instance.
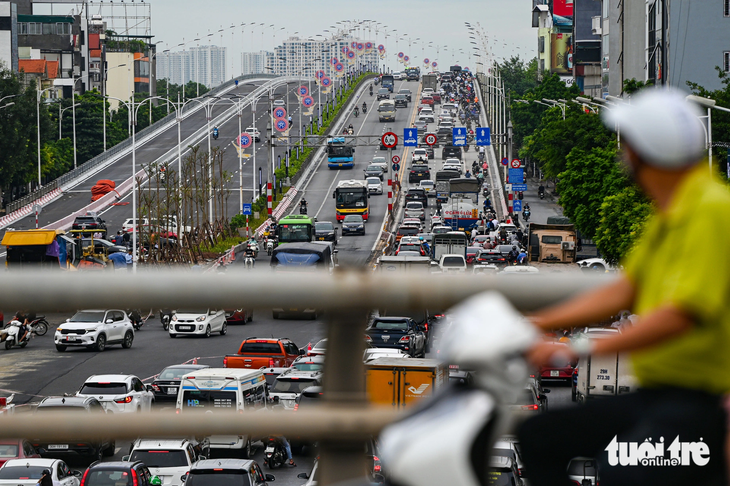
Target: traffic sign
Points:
(389, 139)
(516, 205)
(326, 81)
(350, 54)
(505, 161)
(459, 136)
(279, 112)
(426, 61)
(307, 101)
(37, 208)
(400, 54)
(434, 64)
(396, 167)
(430, 139)
(247, 209)
(303, 90)
(508, 187)
(406, 58)
(483, 136)
(516, 176)
(410, 137)
(396, 159)
(339, 67)
(515, 164)
(282, 125)
(519, 187)
(381, 47)
(244, 140)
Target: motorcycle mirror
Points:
(303, 476)
(76, 474)
(125, 458)
(270, 477)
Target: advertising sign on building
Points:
(562, 53)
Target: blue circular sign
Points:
(326, 81)
(244, 140)
(303, 90)
(350, 54)
(396, 167)
(279, 112)
(339, 67)
(308, 101)
(282, 125)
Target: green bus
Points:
(295, 228)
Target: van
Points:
(224, 390)
(402, 383)
(386, 111)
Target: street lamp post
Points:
(710, 104)
(73, 110)
(38, 129)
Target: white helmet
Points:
(661, 127)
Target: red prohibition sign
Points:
(431, 139)
(389, 139)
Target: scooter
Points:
(526, 214)
(270, 244)
(136, 317)
(165, 318)
(541, 193)
(302, 209)
(249, 261)
(274, 455)
(357, 113)
(12, 335)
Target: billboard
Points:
(561, 51)
(563, 13)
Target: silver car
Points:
(375, 185)
(414, 209)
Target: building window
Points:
(35, 28)
(726, 61)
(726, 9)
(22, 28)
(63, 28)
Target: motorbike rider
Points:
(357, 112)
(371, 90)
(541, 190)
(350, 129)
(303, 206)
(364, 107)
(512, 255)
(215, 133)
(287, 447)
(23, 327)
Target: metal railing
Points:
(126, 144)
(344, 420)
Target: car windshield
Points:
(383, 91)
(353, 218)
(254, 347)
(22, 472)
(373, 180)
(378, 160)
(103, 389)
(88, 316)
(291, 386)
(390, 325)
(525, 398)
(409, 247)
(174, 373)
(324, 226)
(65, 408)
(411, 231)
(453, 262)
(420, 167)
(160, 458)
(373, 168)
(191, 311)
(219, 478)
(8, 450)
(414, 205)
(427, 184)
(108, 477)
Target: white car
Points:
(375, 185)
(426, 110)
(290, 384)
(27, 472)
(426, 118)
(397, 75)
(95, 329)
(118, 393)
(420, 154)
(415, 209)
(279, 103)
(596, 264)
(129, 224)
(449, 108)
(168, 459)
(452, 160)
(445, 124)
(429, 187)
(427, 92)
(380, 162)
(452, 263)
(197, 322)
(454, 167)
(254, 133)
(375, 353)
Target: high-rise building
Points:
(205, 65)
(306, 56)
(256, 62)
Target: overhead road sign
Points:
(389, 139)
(459, 136)
(483, 136)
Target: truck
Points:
(429, 81)
(415, 264)
(386, 111)
(552, 243)
(603, 376)
(412, 74)
(403, 383)
(387, 81)
(451, 243)
(255, 353)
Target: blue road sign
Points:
(516, 176)
(516, 206)
(459, 135)
(519, 187)
(483, 137)
(410, 137)
(396, 167)
(247, 209)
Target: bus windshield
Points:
(351, 198)
(339, 151)
(295, 233)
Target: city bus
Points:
(351, 197)
(339, 154)
(295, 228)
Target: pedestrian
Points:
(46, 479)
(128, 257)
(519, 235)
(522, 257)
(119, 260)
(682, 331)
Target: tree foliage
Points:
(589, 177)
(517, 76)
(720, 119)
(171, 90)
(623, 216)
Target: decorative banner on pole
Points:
(334, 61)
(360, 46)
(281, 125)
(353, 44)
(339, 67)
(406, 58)
(327, 84)
(279, 112)
(434, 64)
(244, 140)
(381, 47)
(308, 101)
(303, 90)
(400, 55)
(319, 74)
(345, 49)
(426, 61)
(351, 55)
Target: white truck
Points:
(387, 263)
(429, 81)
(602, 376)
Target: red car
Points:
(436, 97)
(427, 100)
(16, 449)
(471, 254)
(558, 370)
(239, 316)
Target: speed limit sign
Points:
(396, 159)
(431, 139)
(389, 139)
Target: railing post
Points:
(344, 385)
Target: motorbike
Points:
(39, 325)
(541, 193)
(350, 131)
(274, 455)
(253, 247)
(357, 113)
(302, 209)
(371, 91)
(165, 318)
(270, 245)
(215, 134)
(249, 260)
(364, 109)
(12, 335)
(136, 317)
(526, 214)
(520, 195)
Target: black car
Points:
(398, 333)
(325, 231)
(374, 171)
(490, 257)
(74, 448)
(167, 383)
(503, 472)
(450, 151)
(417, 194)
(429, 150)
(419, 172)
(445, 135)
(90, 223)
(383, 94)
(127, 472)
(401, 101)
(407, 92)
(353, 224)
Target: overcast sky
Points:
(437, 21)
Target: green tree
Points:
(623, 216)
(517, 76)
(589, 177)
(720, 119)
(631, 86)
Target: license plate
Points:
(172, 391)
(321, 239)
(554, 373)
(419, 175)
(70, 338)
(57, 446)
